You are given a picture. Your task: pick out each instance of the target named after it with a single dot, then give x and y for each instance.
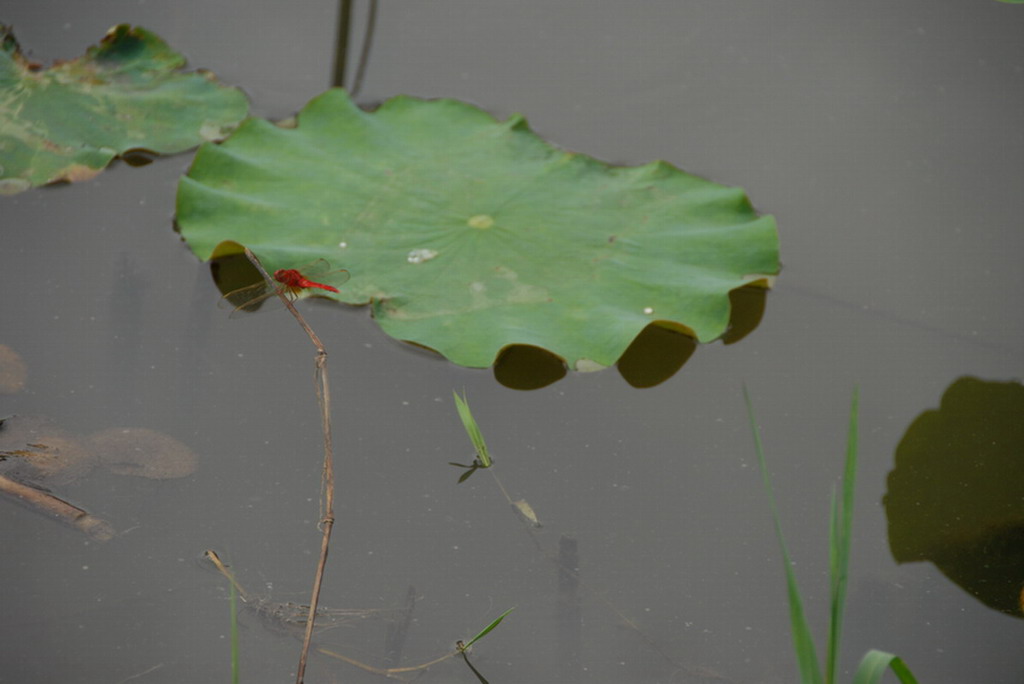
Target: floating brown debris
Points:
(47, 503)
(292, 617)
(13, 371)
(143, 453)
(33, 449)
(525, 510)
(35, 454)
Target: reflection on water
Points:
(654, 356)
(910, 264)
(525, 367)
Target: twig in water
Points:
(461, 648)
(293, 616)
(47, 503)
(323, 396)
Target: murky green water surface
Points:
(886, 140)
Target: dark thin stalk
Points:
(476, 672)
(323, 395)
(341, 43)
(364, 52)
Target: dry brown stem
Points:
(97, 528)
(323, 396)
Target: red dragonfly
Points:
(292, 282)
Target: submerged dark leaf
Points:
(954, 495)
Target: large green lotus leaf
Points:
(66, 123)
(956, 494)
(467, 234)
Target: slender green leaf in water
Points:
(234, 634)
(836, 574)
(473, 430)
(839, 544)
(875, 663)
(486, 630)
(803, 644)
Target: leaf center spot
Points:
(481, 221)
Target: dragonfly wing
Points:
(236, 298)
(251, 299)
(334, 278)
(314, 268)
(320, 271)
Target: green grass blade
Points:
(837, 575)
(803, 644)
(234, 635)
(875, 663)
(472, 429)
(486, 630)
(840, 535)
